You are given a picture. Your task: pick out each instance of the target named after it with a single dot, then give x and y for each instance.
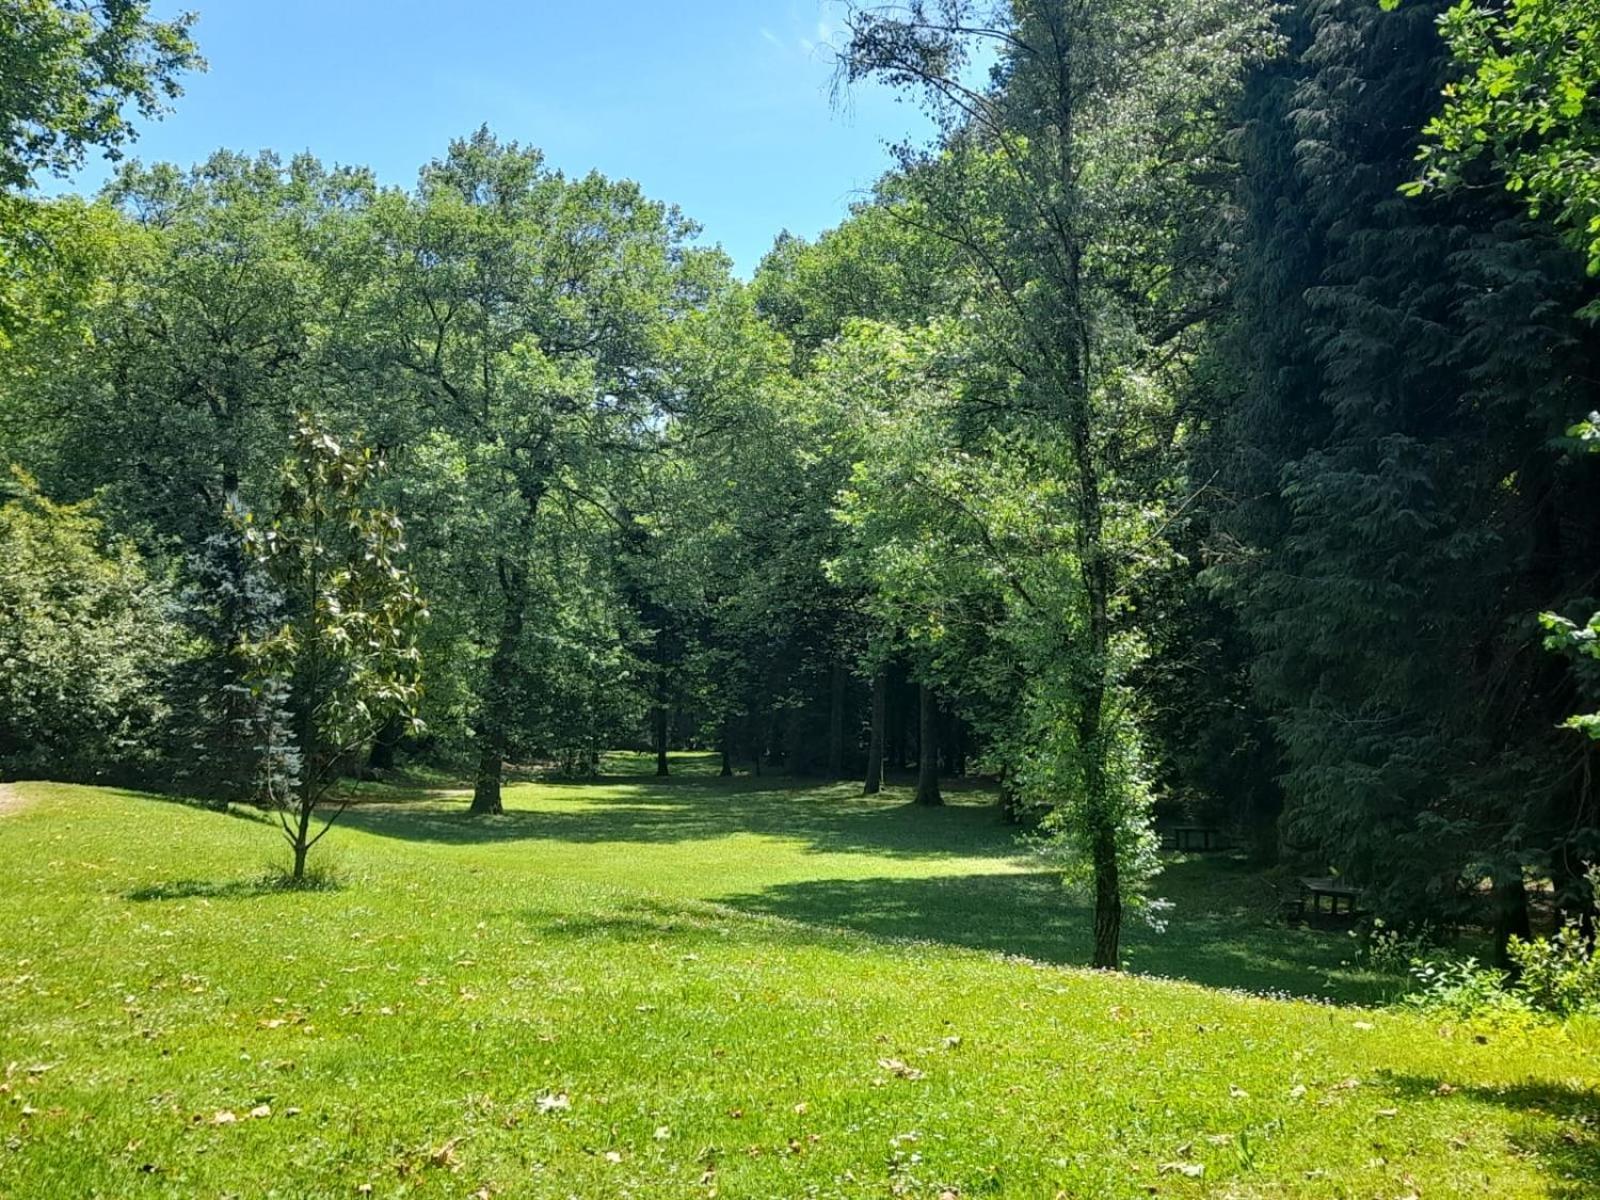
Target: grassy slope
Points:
(617, 945)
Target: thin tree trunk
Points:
(660, 717)
(302, 838)
(928, 748)
(727, 751)
(880, 701)
(836, 698)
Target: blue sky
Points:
(719, 106)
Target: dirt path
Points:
(9, 800)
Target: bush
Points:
(85, 637)
(1463, 989)
(1558, 974)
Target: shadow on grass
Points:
(830, 817)
(272, 884)
(1570, 1155)
(1207, 939)
(1224, 930)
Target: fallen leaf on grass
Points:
(903, 1070)
(445, 1155)
(261, 1112)
(223, 1117)
(554, 1102)
(1192, 1170)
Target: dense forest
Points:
(1201, 424)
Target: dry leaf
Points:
(223, 1117)
(445, 1155)
(1191, 1169)
(903, 1070)
(261, 1111)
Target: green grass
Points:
(740, 989)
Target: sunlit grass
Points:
(693, 988)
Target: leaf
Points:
(900, 1069)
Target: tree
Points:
(1526, 102)
(1074, 188)
(345, 654)
(85, 639)
(526, 316)
(71, 68)
(1395, 378)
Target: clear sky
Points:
(719, 106)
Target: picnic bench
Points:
(1314, 890)
(1195, 837)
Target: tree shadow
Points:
(830, 817)
(1031, 915)
(1570, 1154)
(271, 884)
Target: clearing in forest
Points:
(697, 988)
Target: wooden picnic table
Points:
(1335, 891)
(1185, 837)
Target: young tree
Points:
(345, 654)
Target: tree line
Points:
(1161, 437)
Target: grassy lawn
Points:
(695, 988)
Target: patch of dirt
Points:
(9, 800)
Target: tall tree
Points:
(1075, 186)
(71, 69)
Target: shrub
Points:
(1558, 974)
(1464, 989)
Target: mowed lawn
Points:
(695, 989)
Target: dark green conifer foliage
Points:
(1398, 510)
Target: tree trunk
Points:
(727, 752)
(302, 838)
(385, 744)
(494, 721)
(660, 717)
(928, 748)
(836, 698)
(1510, 899)
(486, 785)
(880, 701)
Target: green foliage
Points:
(1526, 103)
(1463, 990)
(1558, 974)
(1393, 498)
(345, 653)
(71, 69)
(85, 640)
